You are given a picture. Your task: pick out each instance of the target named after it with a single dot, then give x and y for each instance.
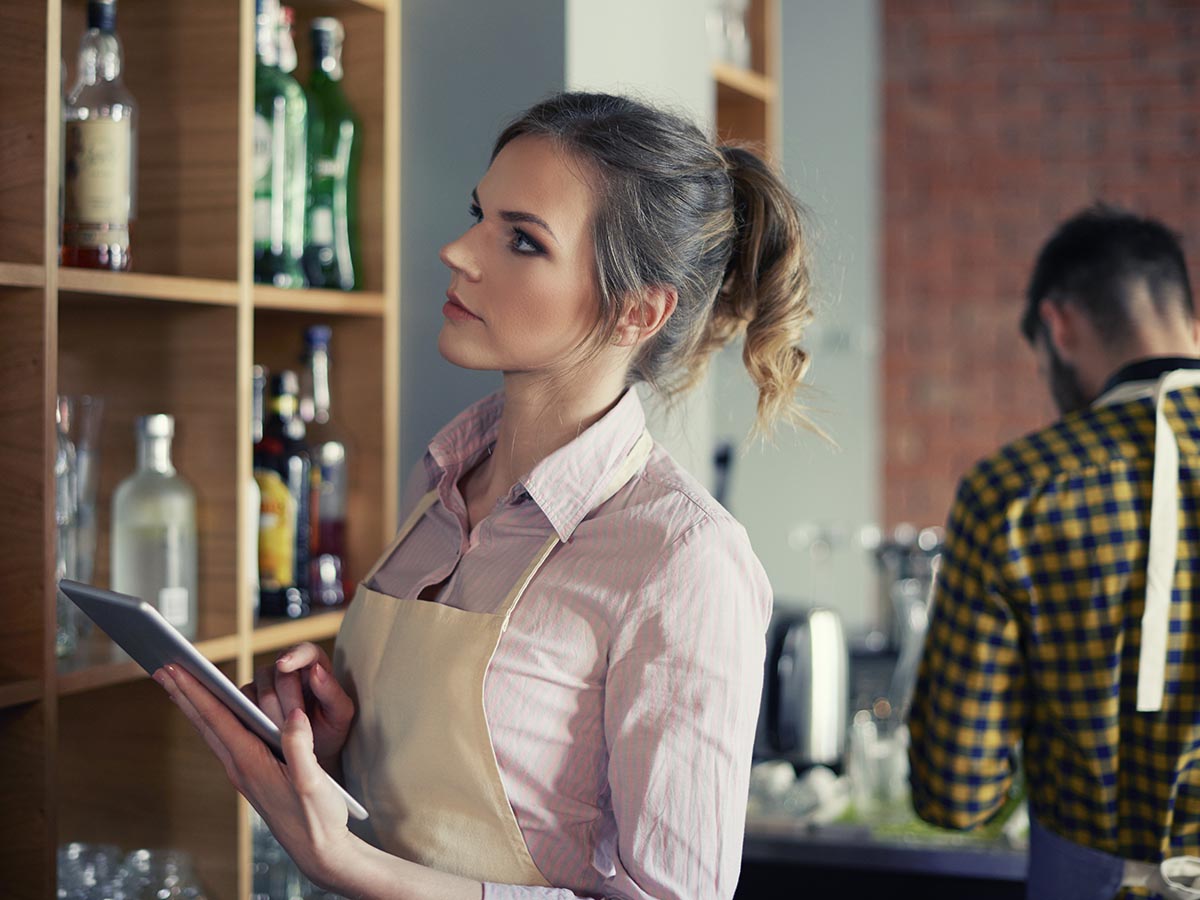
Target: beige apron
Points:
(419, 756)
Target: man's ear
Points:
(1061, 327)
(645, 315)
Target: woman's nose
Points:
(458, 257)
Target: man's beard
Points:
(1064, 385)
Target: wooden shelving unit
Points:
(747, 100)
(90, 749)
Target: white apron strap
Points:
(1164, 533)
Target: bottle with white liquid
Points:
(154, 530)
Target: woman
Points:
(548, 686)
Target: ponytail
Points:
(765, 291)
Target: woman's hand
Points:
(302, 678)
(303, 810)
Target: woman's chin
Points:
(455, 353)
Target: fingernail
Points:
(296, 715)
(161, 677)
(318, 673)
(285, 658)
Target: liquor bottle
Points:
(154, 530)
(280, 160)
(331, 253)
(282, 468)
(100, 132)
(328, 580)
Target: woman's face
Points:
(522, 291)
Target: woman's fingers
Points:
(336, 707)
(268, 700)
(306, 772)
(300, 656)
(177, 693)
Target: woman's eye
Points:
(475, 212)
(523, 243)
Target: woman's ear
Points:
(645, 315)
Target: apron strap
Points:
(410, 523)
(631, 465)
(1163, 551)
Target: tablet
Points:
(141, 631)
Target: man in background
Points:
(1063, 619)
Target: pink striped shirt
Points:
(623, 697)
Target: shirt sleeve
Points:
(969, 704)
(681, 707)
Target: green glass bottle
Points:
(331, 253)
(280, 160)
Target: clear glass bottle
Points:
(154, 530)
(100, 132)
(331, 252)
(327, 444)
(280, 160)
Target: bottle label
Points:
(320, 226)
(276, 532)
(173, 604)
(262, 220)
(262, 148)
(98, 176)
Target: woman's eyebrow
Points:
(518, 216)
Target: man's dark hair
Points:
(1097, 259)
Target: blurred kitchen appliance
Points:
(805, 697)
(907, 563)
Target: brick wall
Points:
(1001, 118)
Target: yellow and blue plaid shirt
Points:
(1034, 635)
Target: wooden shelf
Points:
(99, 663)
(744, 81)
(351, 303)
(15, 693)
(206, 291)
(22, 275)
(317, 627)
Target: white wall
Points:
(802, 502)
(468, 66)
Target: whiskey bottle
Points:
(329, 579)
(280, 159)
(282, 468)
(154, 530)
(331, 254)
(100, 156)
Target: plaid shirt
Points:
(1034, 635)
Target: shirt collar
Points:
(1149, 369)
(566, 484)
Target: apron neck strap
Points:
(630, 466)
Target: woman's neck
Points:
(539, 418)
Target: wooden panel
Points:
(100, 663)
(134, 773)
(24, 532)
(363, 61)
(145, 357)
(22, 274)
(26, 838)
(740, 117)
(356, 359)
(180, 64)
(359, 303)
(23, 131)
(151, 287)
(317, 627)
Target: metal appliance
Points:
(805, 697)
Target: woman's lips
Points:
(456, 311)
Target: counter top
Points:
(856, 846)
